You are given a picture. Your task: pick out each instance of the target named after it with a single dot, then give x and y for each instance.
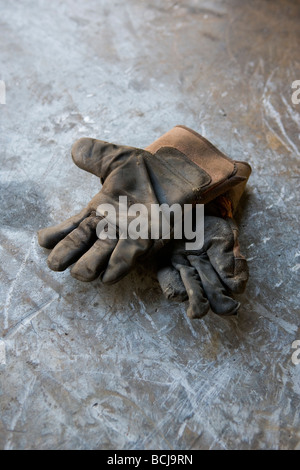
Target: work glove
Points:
(180, 167)
(208, 277)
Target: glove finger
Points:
(96, 156)
(94, 261)
(232, 270)
(171, 283)
(219, 300)
(68, 250)
(198, 303)
(123, 258)
(226, 258)
(49, 237)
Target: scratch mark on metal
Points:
(27, 319)
(13, 284)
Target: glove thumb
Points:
(99, 157)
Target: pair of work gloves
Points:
(181, 167)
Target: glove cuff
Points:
(224, 172)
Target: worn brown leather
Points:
(180, 167)
(224, 172)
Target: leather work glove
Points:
(208, 277)
(180, 167)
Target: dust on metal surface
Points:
(83, 366)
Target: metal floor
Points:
(85, 366)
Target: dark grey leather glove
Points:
(180, 167)
(208, 277)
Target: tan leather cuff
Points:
(224, 172)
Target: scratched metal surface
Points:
(90, 367)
